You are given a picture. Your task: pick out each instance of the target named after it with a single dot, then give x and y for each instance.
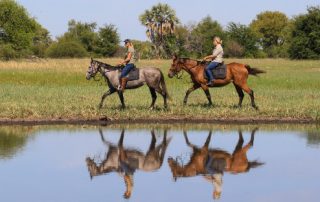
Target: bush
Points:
(7, 52)
(234, 49)
(66, 49)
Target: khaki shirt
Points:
(218, 53)
(133, 56)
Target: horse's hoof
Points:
(151, 108)
(256, 107)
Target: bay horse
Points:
(125, 161)
(235, 72)
(151, 76)
(211, 163)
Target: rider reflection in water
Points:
(211, 163)
(125, 161)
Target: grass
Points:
(57, 89)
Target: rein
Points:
(187, 69)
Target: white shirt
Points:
(218, 53)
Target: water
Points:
(69, 163)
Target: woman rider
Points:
(128, 62)
(216, 59)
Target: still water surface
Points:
(44, 164)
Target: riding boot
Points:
(210, 83)
(123, 83)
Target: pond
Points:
(160, 163)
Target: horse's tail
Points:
(163, 85)
(254, 71)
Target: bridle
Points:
(185, 68)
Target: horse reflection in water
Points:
(126, 161)
(211, 163)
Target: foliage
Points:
(105, 42)
(160, 22)
(305, 42)
(143, 49)
(20, 33)
(241, 37)
(202, 36)
(271, 27)
(66, 49)
(108, 40)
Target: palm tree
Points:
(160, 22)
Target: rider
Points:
(216, 59)
(128, 62)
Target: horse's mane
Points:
(106, 66)
(199, 62)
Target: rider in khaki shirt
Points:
(216, 59)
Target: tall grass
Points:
(53, 89)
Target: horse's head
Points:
(92, 69)
(177, 170)
(92, 167)
(176, 66)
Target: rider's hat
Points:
(127, 41)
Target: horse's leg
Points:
(109, 92)
(164, 95)
(250, 92)
(240, 93)
(154, 97)
(187, 140)
(120, 93)
(252, 137)
(190, 90)
(153, 142)
(207, 92)
(239, 144)
(206, 144)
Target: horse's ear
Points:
(91, 59)
(174, 56)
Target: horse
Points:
(125, 161)
(151, 76)
(211, 163)
(235, 72)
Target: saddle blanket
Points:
(218, 72)
(133, 74)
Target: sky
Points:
(124, 14)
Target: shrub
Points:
(66, 49)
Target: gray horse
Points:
(151, 76)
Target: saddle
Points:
(219, 72)
(133, 74)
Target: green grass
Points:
(53, 89)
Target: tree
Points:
(202, 35)
(305, 43)
(108, 40)
(18, 29)
(271, 27)
(243, 39)
(160, 22)
(83, 33)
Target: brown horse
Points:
(235, 73)
(125, 161)
(211, 163)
